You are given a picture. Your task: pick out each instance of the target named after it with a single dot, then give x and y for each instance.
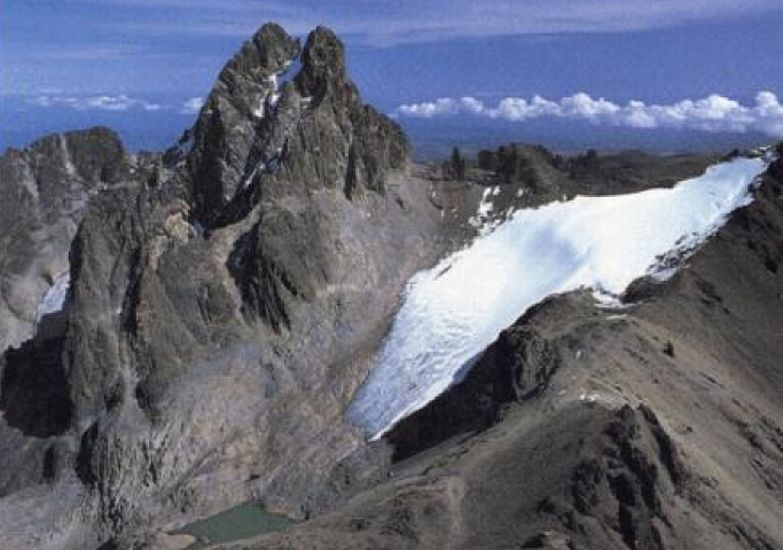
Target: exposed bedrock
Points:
(298, 134)
(44, 190)
(224, 306)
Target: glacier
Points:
(453, 311)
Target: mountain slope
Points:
(655, 426)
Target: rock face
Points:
(43, 196)
(44, 193)
(548, 176)
(224, 304)
(257, 117)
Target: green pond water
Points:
(244, 521)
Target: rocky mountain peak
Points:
(269, 49)
(249, 75)
(182, 334)
(217, 147)
(261, 132)
(323, 63)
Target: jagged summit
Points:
(323, 64)
(268, 51)
(258, 124)
(218, 144)
(221, 299)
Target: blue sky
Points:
(133, 64)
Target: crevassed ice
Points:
(452, 312)
(54, 299)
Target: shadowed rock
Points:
(34, 396)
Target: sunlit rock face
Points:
(276, 100)
(214, 313)
(44, 192)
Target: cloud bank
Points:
(714, 113)
(119, 102)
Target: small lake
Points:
(241, 522)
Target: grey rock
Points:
(226, 127)
(224, 305)
(44, 190)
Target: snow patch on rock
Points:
(54, 299)
(482, 218)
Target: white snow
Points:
(485, 207)
(617, 317)
(269, 98)
(259, 168)
(70, 169)
(480, 220)
(592, 397)
(274, 96)
(453, 311)
(187, 147)
(54, 299)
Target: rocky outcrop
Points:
(44, 190)
(526, 176)
(539, 175)
(258, 133)
(630, 481)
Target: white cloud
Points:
(443, 106)
(714, 113)
(192, 106)
(119, 102)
